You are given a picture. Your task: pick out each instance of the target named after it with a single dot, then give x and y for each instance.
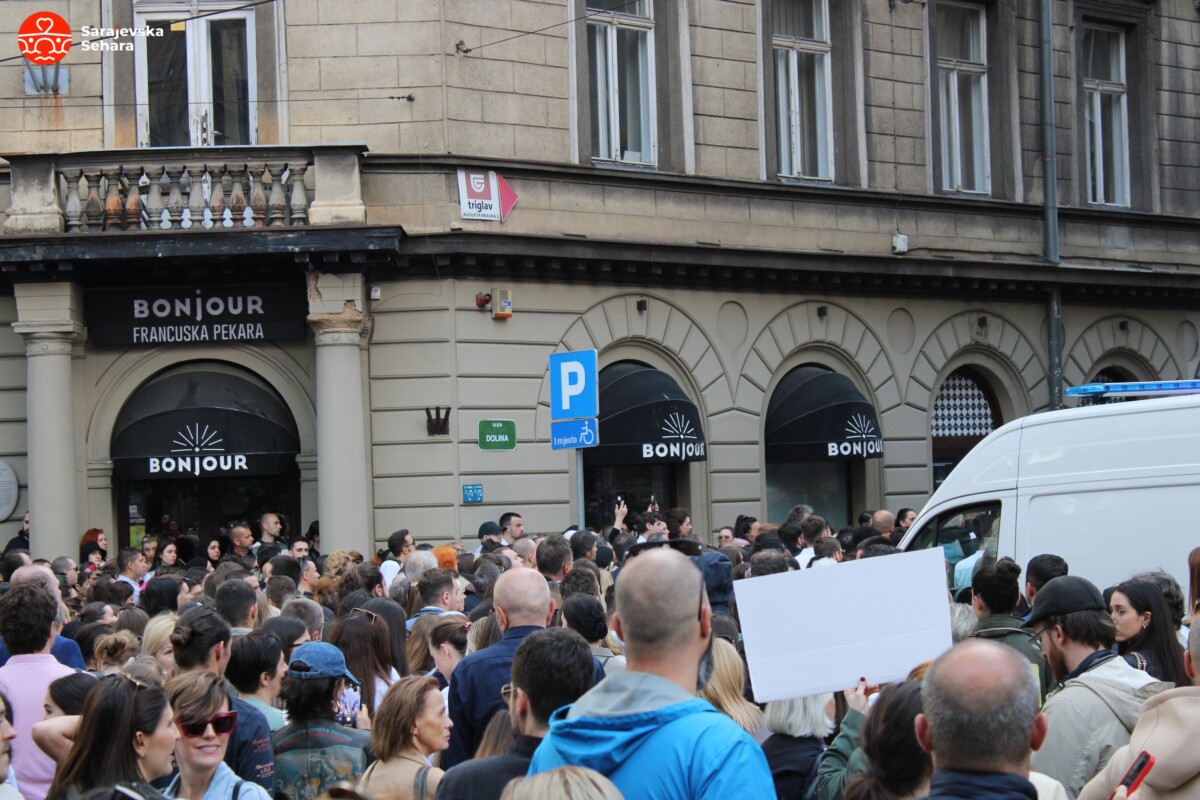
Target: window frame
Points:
(200, 90)
(950, 152)
(1092, 93)
(793, 47)
(846, 106)
(612, 22)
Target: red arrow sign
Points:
(508, 198)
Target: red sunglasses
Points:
(223, 725)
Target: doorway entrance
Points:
(205, 445)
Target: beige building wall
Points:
(432, 347)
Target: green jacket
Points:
(1007, 630)
(843, 760)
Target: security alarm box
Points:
(501, 303)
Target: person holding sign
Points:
(664, 619)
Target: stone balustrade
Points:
(198, 189)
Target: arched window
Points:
(964, 411)
(820, 430)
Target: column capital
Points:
(48, 337)
(345, 327)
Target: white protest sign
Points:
(820, 630)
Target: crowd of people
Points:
(582, 664)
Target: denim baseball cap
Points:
(323, 660)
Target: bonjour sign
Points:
(194, 315)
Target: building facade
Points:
(809, 240)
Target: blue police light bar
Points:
(1134, 389)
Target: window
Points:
(803, 52)
(969, 537)
(620, 44)
(196, 83)
(962, 74)
(1106, 115)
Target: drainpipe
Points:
(1050, 201)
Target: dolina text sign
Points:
(820, 630)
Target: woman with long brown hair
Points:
(411, 726)
(362, 636)
(125, 734)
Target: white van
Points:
(1114, 489)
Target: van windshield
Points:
(969, 537)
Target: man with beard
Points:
(644, 728)
(1097, 706)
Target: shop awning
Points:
(204, 424)
(819, 415)
(645, 418)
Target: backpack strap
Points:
(237, 789)
(419, 783)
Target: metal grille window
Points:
(962, 94)
(1106, 111)
(620, 45)
(802, 88)
(962, 408)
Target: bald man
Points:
(981, 722)
(665, 621)
(522, 606)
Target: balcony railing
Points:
(198, 189)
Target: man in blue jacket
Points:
(644, 728)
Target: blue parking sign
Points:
(574, 385)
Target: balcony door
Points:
(196, 82)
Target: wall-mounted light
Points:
(981, 322)
(1123, 324)
(822, 311)
(642, 305)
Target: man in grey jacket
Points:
(1093, 712)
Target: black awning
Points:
(204, 424)
(645, 418)
(819, 415)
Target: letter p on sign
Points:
(574, 385)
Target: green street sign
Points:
(497, 434)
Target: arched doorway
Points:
(203, 445)
(964, 411)
(650, 430)
(820, 431)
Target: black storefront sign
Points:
(818, 415)
(191, 315)
(203, 425)
(645, 418)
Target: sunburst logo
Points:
(860, 427)
(193, 440)
(677, 426)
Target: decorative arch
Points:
(1123, 342)
(664, 336)
(134, 368)
(996, 349)
(837, 338)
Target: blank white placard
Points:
(819, 630)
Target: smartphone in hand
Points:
(1136, 774)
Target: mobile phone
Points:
(651, 499)
(1137, 772)
(619, 500)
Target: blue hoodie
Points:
(655, 742)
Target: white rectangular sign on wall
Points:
(819, 630)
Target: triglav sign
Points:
(194, 315)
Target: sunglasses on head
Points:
(223, 724)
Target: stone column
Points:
(53, 493)
(342, 472)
